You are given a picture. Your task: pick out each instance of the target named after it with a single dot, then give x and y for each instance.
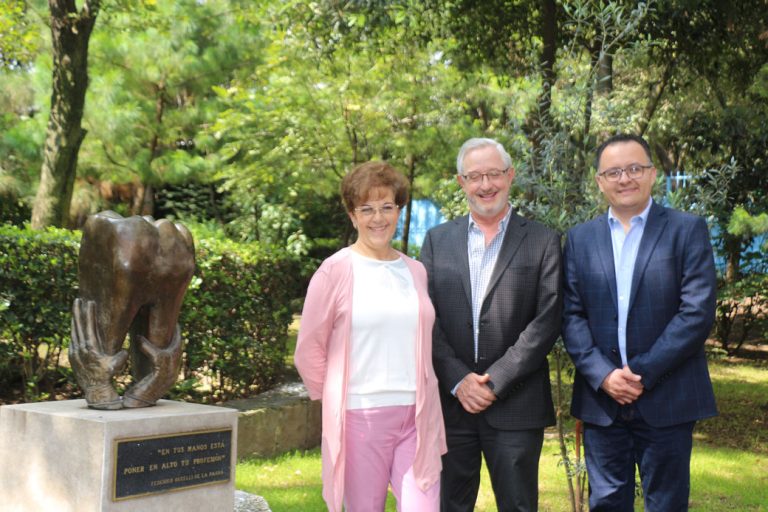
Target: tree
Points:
(155, 75)
(719, 93)
(71, 31)
(325, 100)
(18, 43)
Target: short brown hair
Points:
(358, 183)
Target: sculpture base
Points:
(64, 456)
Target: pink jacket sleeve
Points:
(317, 320)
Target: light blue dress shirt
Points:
(625, 246)
(482, 260)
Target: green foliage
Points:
(192, 201)
(21, 138)
(748, 226)
(546, 187)
(722, 41)
(451, 198)
(235, 315)
(38, 282)
(742, 302)
(716, 195)
(742, 312)
(552, 151)
(13, 210)
(18, 42)
(154, 70)
(338, 86)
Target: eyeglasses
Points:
(476, 177)
(633, 171)
(369, 211)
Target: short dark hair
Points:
(622, 137)
(358, 183)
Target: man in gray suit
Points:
(494, 279)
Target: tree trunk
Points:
(411, 161)
(585, 143)
(70, 31)
(604, 73)
(733, 249)
(539, 121)
(148, 201)
(144, 202)
(663, 158)
(549, 47)
(657, 92)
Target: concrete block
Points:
(277, 421)
(61, 456)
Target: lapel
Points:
(657, 221)
(605, 253)
(513, 237)
(462, 225)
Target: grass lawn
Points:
(722, 479)
(729, 467)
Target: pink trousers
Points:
(380, 448)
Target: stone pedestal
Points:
(65, 457)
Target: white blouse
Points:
(385, 311)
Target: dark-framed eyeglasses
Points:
(633, 171)
(476, 177)
(368, 211)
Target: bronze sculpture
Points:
(133, 275)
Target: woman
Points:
(365, 349)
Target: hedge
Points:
(234, 318)
(38, 282)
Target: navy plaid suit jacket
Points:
(671, 312)
(519, 320)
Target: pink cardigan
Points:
(322, 357)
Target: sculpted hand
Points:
(623, 386)
(93, 366)
(474, 394)
(165, 369)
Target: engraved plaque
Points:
(156, 464)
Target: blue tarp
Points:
(424, 215)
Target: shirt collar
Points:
(502, 223)
(643, 216)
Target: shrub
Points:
(38, 282)
(13, 210)
(742, 312)
(235, 315)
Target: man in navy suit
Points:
(639, 303)
(495, 281)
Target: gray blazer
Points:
(519, 320)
